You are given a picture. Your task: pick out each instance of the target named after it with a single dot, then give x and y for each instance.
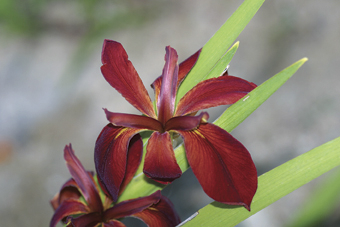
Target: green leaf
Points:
(321, 203)
(239, 111)
(214, 49)
(274, 185)
(233, 116)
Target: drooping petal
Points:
(167, 96)
(111, 157)
(133, 121)
(67, 208)
(133, 160)
(121, 75)
(183, 69)
(186, 122)
(223, 90)
(160, 162)
(132, 206)
(113, 223)
(222, 165)
(90, 219)
(83, 180)
(160, 214)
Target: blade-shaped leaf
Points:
(274, 185)
(233, 116)
(239, 111)
(217, 45)
(321, 203)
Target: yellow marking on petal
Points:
(198, 133)
(151, 208)
(121, 132)
(69, 220)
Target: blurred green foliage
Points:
(31, 17)
(87, 21)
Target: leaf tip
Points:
(236, 44)
(303, 60)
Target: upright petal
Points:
(160, 162)
(121, 75)
(186, 66)
(83, 180)
(222, 165)
(183, 69)
(160, 214)
(67, 208)
(167, 96)
(223, 90)
(133, 121)
(111, 154)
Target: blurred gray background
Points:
(52, 91)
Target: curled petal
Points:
(222, 165)
(186, 122)
(167, 96)
(83, 180)
(223, 90)
(160, 162)
(111, 154)
(69, 190)
(133, 121)
(132, 206)
(67, 208)
(160, 214)
(183, 69)
(133, 160)
(121, 75)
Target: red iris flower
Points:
(79, 202)
(222, 165)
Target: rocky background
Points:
(52, 91)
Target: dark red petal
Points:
(133, 121)
(167, 96)
(113, 223)
(111, 157)
(67, 208)
(223, 90)
(183, 69)
(160, 162)
(160, 214)
(87, 220)
(186, 66)
(133, 160)
(186, 122)
(69, 190)
(222, 165)
(132, 206)
(121, 75)
(83, 180)
(156, 85)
